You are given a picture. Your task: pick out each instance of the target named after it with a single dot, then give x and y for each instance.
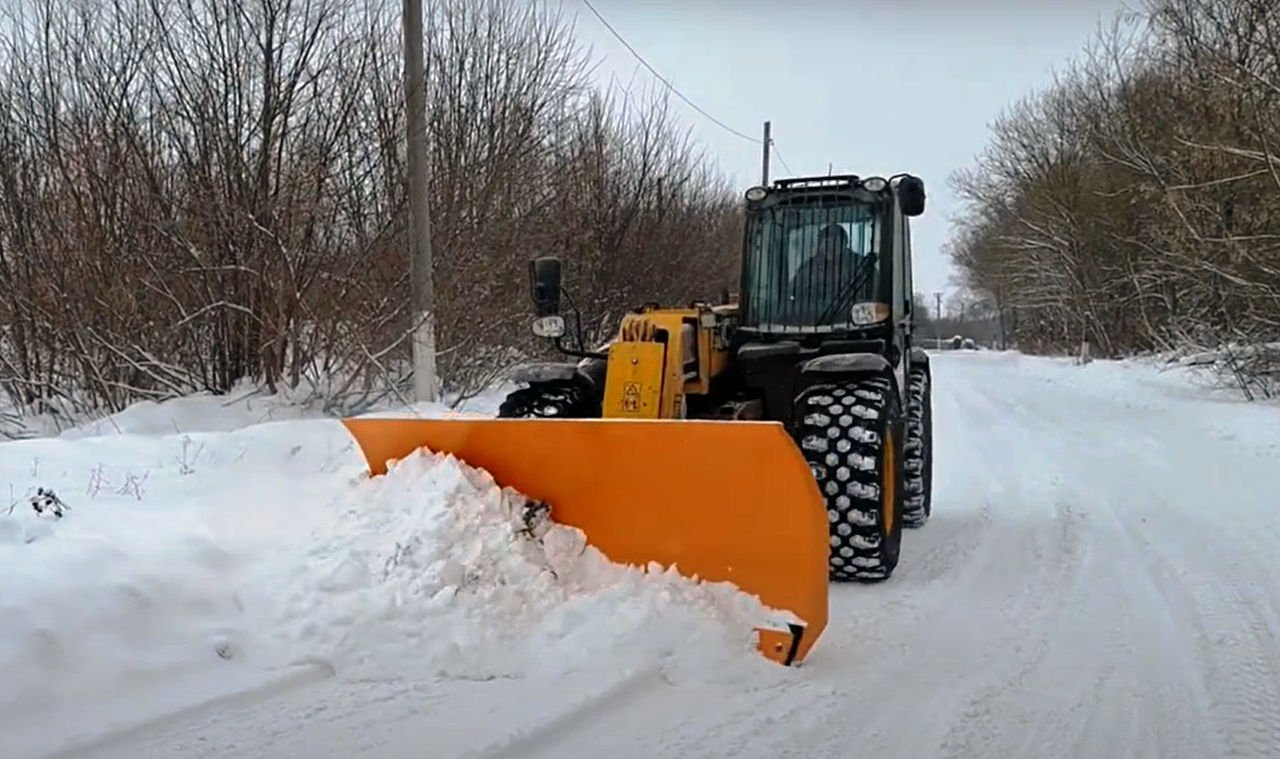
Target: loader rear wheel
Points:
(548, 400)
(850, 433)
(917, 456)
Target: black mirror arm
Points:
(559, 343)
(577, 320)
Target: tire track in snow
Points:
(1228, 677)
(1183, 617)
(1236, 663)
(114, 740)
(1249, 685)
(1194, 562)
(551, 736)
(1083, 672)
(982, 727)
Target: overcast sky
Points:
(870, 86)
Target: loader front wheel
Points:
(917, 454)
(549, 400)
(851, 434)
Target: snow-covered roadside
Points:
(243, 406)
(196, 566)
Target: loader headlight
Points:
(874, 184)
(868, 313)
(549, 326)
(756, 194)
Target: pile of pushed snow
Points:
(435, 567)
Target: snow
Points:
(1097, 579)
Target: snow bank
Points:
(195, 413)
(98, 632)
(243, 406)
(129, 605)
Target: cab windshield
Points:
(807, 265)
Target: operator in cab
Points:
(818, 281)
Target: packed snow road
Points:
(1098, 579)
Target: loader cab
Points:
(826, 271)
(827, 256)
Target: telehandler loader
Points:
(776, 442)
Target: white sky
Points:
(872, 87)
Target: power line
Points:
(772, 142)
(670, 86)
(780, 158)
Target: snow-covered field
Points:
(1099, 579)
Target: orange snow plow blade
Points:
(721, 500)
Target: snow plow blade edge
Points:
(721, 500)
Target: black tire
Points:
(849, 431)
(917, 456)
(549, 400)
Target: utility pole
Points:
(937, 320)
(764, 169)
(422, 292)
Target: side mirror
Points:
(544, 281)
(911, 195)
(544, 284)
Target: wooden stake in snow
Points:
(421, 286)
